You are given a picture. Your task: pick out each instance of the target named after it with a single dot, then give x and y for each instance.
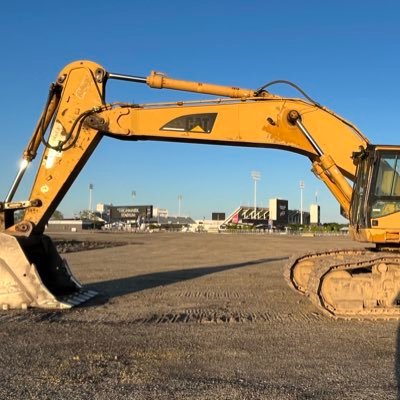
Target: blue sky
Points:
(345, 54)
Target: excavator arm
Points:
(77, 116)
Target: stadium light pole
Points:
(256, 175)
(180, 197)
(301, 202)
(90, 196)
(133, 195)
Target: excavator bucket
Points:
(32, 274)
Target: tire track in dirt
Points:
(190, 316)
(209, 294)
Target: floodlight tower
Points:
(256, 175)
(180, 197)
(301, 201)
(90, 196)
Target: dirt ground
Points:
(195, 316)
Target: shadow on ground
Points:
(120, 287)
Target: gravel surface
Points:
(194, 316)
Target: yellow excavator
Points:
(364, 178)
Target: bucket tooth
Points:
(32, 274)
(78, 298)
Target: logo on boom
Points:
(196, 123)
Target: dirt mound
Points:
(72, 246)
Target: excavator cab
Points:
(375, 206)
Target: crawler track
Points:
(349, 284)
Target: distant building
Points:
(172, 223)
(72, 225)
(277, 215)
(315, 214)
(136, 216)
(279, 212)
(131, 214)
(218, 216)
(295, 217)
(160, 212)
(102, 208)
